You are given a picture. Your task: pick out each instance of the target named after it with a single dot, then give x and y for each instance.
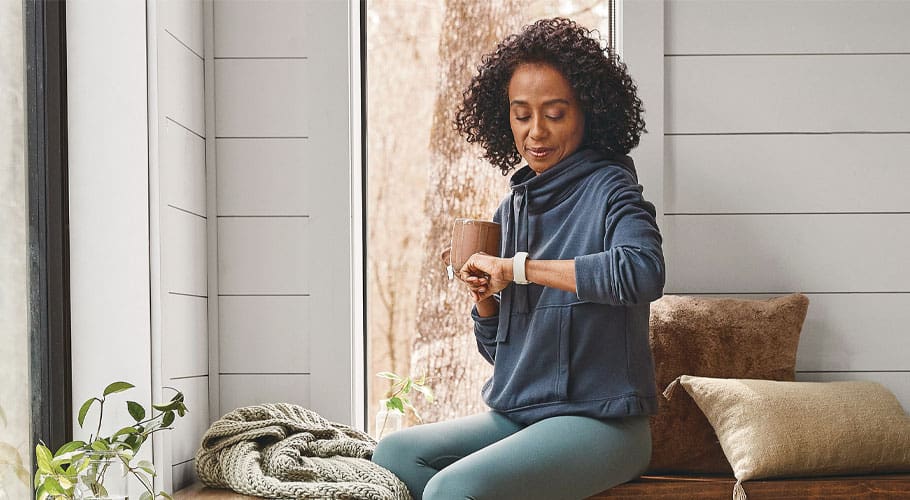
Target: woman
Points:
(563, 315)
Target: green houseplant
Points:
(80, 469)
(397, 399)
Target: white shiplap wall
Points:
(283, 156)
(786, 138)
(178, 211)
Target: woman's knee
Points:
(452, 484)
(392, 449)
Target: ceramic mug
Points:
(470, 236)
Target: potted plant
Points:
(99, 467)
(392, 408)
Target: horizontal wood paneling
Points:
(787, 116)
(244, 390)
(774, 253)
(265, 255)
(787, 173)
(270, 176)
(839, 93)
(267, 98)
(182, 167)
(181, 84)
(257, 28)
(183, 19)
(786, 26)
(896, 382)
(183, 251)
(189, 429)
(184, 336)
(863, 331)
(265, 334)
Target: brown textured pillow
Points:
(714, 337)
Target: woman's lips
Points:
(539, 153)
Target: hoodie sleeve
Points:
(631, 268)
(485, 332)
(485, 328)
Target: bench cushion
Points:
(711, 487)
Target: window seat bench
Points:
(704, 487)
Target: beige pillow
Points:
(714, 337)
(770, 428)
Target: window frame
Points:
(50, 362)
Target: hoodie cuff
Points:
(485, 327)
(592, 282)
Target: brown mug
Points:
(470, 236)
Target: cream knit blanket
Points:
(287, 451)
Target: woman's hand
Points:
(485, 275)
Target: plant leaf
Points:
(165, 495)
(416, 413)
(426, 391)
(126, 430)
(100, 445)
(146, 466)
(53, 486)
(64, 482)
(388, 375)
(167, 406)
(395, 404)
(44, 458)
(137, 411)
(83, 410)
(116, 387)
(145, 496)
(69, 447)
(168, 419)
(41, 491)
(407, 386)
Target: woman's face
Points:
(547, 122)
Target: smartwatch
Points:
(518, 268)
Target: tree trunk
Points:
(460, 185)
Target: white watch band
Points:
(518, 268)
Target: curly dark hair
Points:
(602, 85)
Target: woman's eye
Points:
(554, 117)
(522, 118)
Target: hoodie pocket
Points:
(532, 366)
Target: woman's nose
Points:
(538, 130)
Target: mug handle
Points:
(446, 257)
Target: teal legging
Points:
(489, 457)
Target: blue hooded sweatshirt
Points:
(586, 353)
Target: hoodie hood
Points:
(558, 181)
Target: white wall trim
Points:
(358, 311)
(160, 442)
(641, 45)
(211, 209)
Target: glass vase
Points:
(387, 420)
(104, 478)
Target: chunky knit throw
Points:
(287, 451)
